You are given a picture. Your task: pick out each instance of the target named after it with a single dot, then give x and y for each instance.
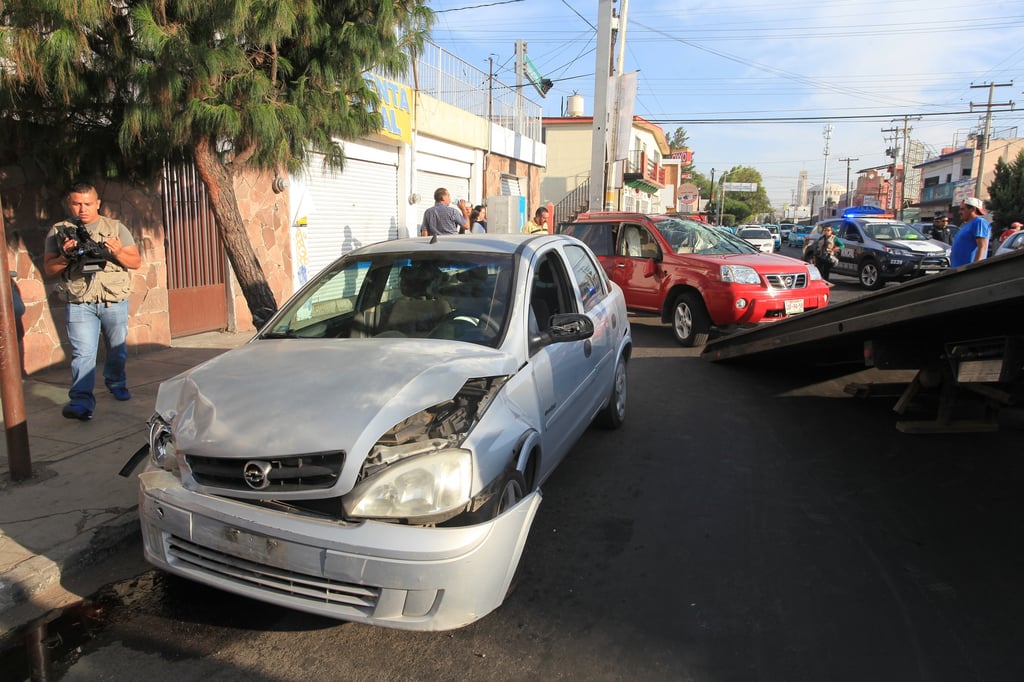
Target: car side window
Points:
(550, 292)
(600, 237)
(637, 242)
(851, 233)
(590, 279)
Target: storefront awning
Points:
(645, 186)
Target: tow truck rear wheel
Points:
(690, 321)
(869, 275)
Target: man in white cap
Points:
(970, 244)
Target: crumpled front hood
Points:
(294, 396)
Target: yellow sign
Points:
(395, 107)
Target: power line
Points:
(802, 119)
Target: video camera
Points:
(92, 254)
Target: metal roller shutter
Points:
(350, 209)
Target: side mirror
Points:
(565, 327)
(650, 267)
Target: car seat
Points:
(420, 309)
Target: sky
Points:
(755, 83)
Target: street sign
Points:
(740, 186)
(533, 75)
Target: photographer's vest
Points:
(112, 284)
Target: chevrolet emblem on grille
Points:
(256, 474)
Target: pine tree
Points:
(236, 85)
(1006, 193)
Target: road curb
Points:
(33, 578)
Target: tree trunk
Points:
(241, 255)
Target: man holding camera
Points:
(92, 255)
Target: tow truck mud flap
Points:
(377, 573)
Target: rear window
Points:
(600, 237)
(755, 233)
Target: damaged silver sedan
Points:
(375, 452)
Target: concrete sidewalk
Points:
(75, 510)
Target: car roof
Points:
(478, 243)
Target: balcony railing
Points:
(938, 192)
(445, 77)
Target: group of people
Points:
(443, 218)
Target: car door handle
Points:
(620, 265)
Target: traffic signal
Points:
(545, 85)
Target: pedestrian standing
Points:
(1011, 230)
(442, 217)
(478, 220)
(825, 251)
(970, 244)
(538, 224)
(92, 255)
(940, 227)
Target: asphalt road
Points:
(742, 525)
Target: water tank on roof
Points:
(574, 106)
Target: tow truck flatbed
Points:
(963, 330)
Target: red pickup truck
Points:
(696, 276)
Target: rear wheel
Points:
(612, 416)
(690, 322)
(869, 275)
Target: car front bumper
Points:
(392, 575)
(761, 306)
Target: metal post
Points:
(11, 392)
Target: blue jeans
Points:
(85, 322)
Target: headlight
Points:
(895, 250)
(740, 274)
(813, 272)
(426, 486)
(163, 450)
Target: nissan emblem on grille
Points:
(787, 281)
(256, 474)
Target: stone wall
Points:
(31, 207)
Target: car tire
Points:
(870, 275)
(690, 321)
(612, 416)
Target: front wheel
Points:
(690, 321)
(869, 275)
(612, 416)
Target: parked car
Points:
(798, 234)
(375, 452)
(758, 237)
(1012, 243)
(697, 277)
(877, 250)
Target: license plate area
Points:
(794, 307)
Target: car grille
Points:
(934, 263)
(300, 472)
(795, 280)
(260, 577)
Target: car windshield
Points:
(455, 296)
(890, 230)
(755, 233)
(687, 236)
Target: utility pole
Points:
(711, 199)
(602, 79)
(892, 153)
(848, 160)
(978, 184)
(899, 199)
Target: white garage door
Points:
(350, 209)
(427, 182)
